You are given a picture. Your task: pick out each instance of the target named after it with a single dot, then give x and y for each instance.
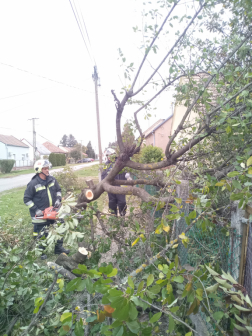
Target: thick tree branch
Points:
(155, 182)
(149, 166)
(119, 109)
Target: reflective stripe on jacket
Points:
(41, 194)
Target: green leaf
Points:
(113, 273)
(160, 205)
(79, 330)
(178, 200)
(192, 214)
(72, 285)
(233, 174)
(91, 318)
(64, 316)
(171, 324)
(218, 315)
(189, 333)
(133, 326)
(249, 161)
(228, 129)
(118, 331)
(155, 289)
(150, 280)
(132, 311)
(130, 282)
(140, 286)
(115, 292)
(236, 197)
(122, 313)
(89, 285)
(173, 216)
(178, 279)
(155, 317)
(237, 184)
(81, 286)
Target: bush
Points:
(68, 180)
(151, 154)
(6, 165)
(46, 157)
(57, 159)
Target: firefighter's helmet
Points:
(41, 164)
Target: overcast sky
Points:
(42, 38)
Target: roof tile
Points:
(12, 141)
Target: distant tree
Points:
(64, 140)
(71, 141)
(75, 154)
(90, 152)
(112, 145)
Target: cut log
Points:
(80, 256)
(89, 194)
(66, 262)
(61, 270)
(90, 183)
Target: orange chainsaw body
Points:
(49, 213)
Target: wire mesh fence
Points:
(248, 265)
(214, 246)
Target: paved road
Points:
(22, 180)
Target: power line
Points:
(21, 94)
(52, 80)
(75, 15)
(86, 30)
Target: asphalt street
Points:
(23, 180)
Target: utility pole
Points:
(81, 149)
(34, 139)
(96, 79)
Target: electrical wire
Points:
(84, 24)
(80, 29)
(21, 94)
(47, 78)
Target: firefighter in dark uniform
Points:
(42, 192)
(115, 201)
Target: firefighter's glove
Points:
(39, 213)
(57, 203)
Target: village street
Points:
(22, 180)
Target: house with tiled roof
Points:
(157, 134)
(41, 150)
(52, 148)
(13, 149)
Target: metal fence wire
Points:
(248, 266)
(213, 246)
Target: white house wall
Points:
(3, 151)
(20, 155)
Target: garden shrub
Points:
(6, 166)
(151, 154)
(57, 159)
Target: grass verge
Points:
(14, 173)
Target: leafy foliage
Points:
(151, 154)
(57, 159)
(6, 166)
(90, 152)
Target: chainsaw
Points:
(50, 213)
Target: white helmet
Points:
(41, 164)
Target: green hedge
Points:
(57, 159)
(6, 166)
